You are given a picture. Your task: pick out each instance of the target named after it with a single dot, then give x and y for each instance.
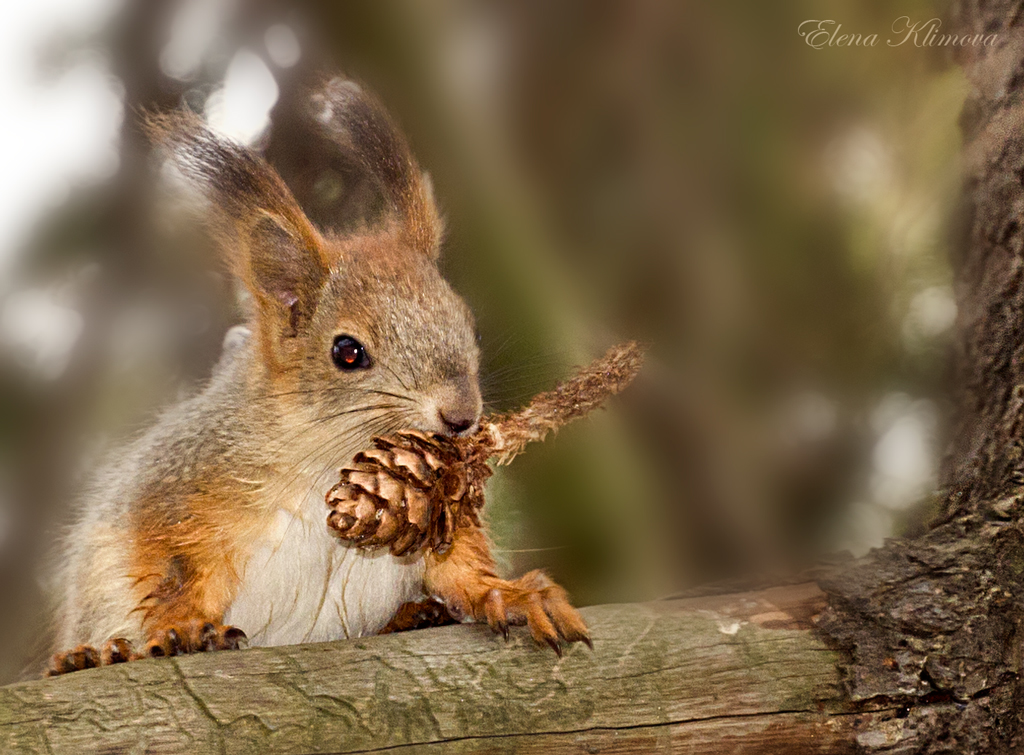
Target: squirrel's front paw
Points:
(194, 637)
(537, 602)
(421, 614)
(191, 637)
(82, 657)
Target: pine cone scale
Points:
(390, 489)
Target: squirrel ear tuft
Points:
(356, 122)
(267, 239)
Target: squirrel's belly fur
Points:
(296, 582)
(302, 585)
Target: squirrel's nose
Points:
(457, 424)
(457, 403)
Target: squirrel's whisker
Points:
(396, 376)
(356, 410)
(399, 396)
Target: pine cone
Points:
(411, 490)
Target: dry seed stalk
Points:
(413, 489)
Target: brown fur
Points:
(187, 570)
(216, 512)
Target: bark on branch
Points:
(741, 673)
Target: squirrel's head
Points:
(355, 335)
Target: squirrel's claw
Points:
(81, 657)
(537, 602)
(117, 650)
(231, 638)
(194, 637)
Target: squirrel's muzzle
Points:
(458, 405)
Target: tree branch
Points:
(741, 673)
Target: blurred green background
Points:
(773, 220)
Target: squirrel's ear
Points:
(355, 121)
(284, 271)
(268, 241)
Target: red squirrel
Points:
(210, 528)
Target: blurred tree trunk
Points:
(936, 623)
(985, 460)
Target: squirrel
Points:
(209, 531)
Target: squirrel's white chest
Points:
(302, 585)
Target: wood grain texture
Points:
(736, 674)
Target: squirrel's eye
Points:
(349, 354)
